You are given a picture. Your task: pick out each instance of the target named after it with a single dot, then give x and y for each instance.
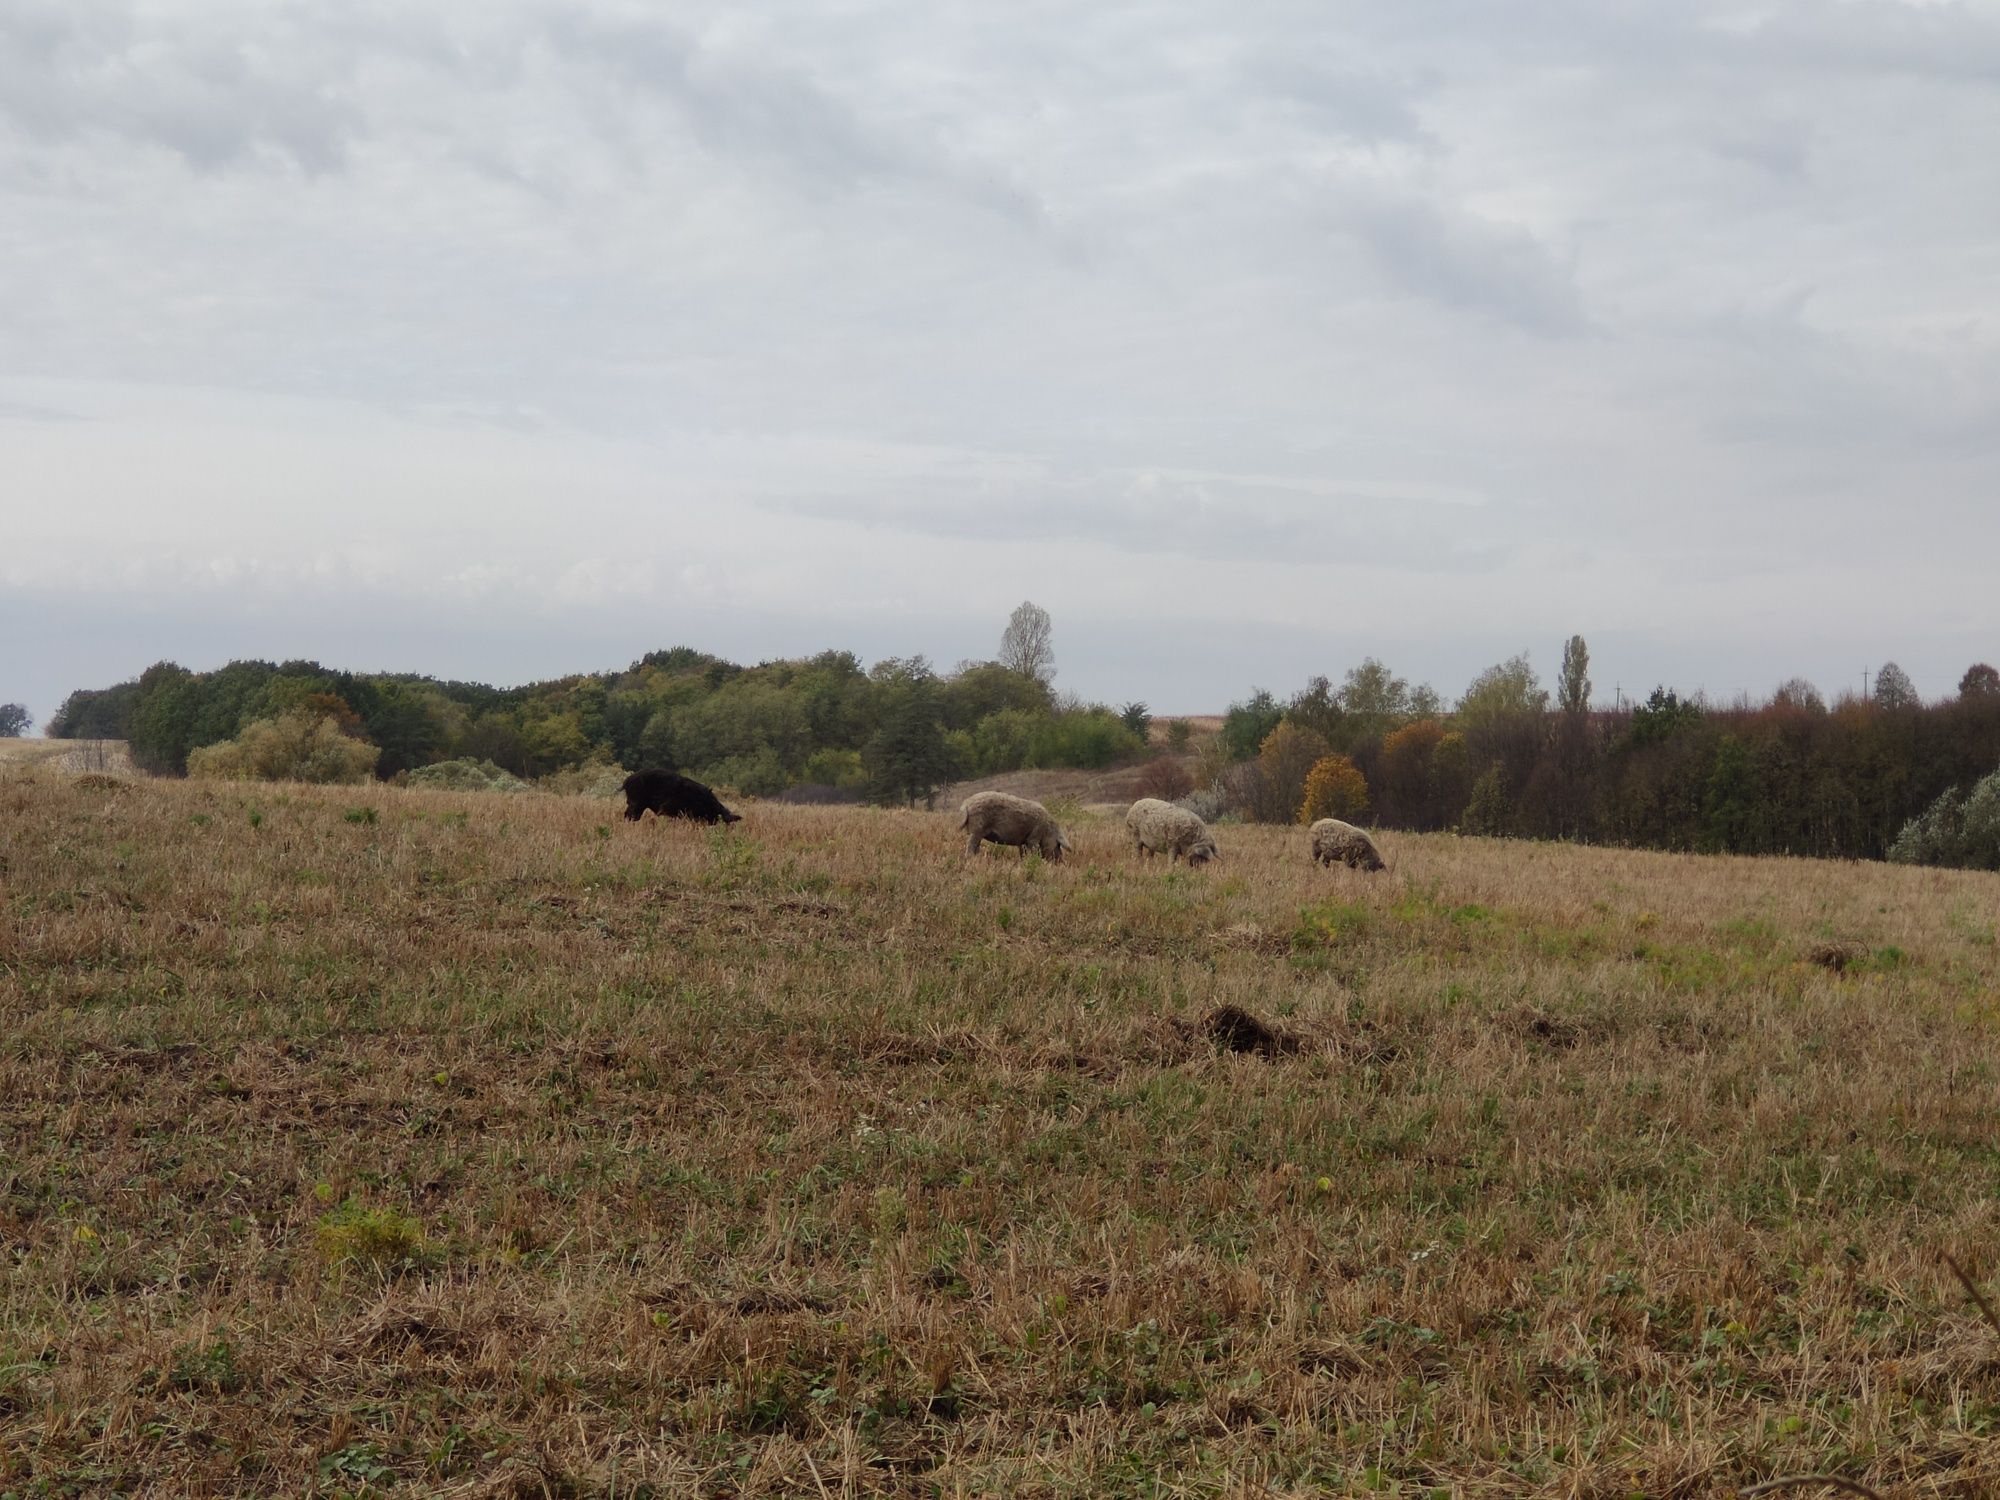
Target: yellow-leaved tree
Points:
(1335, 788)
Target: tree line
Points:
(819, 728)
(1792, 775)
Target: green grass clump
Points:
(354, 1234)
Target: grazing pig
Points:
(672, 795)
(1334, 840)
(1161, 828)
(1000, 818)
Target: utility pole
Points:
(1864, 684)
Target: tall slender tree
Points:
(1573, 688)
(1027, 646)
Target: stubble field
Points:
(368, 1141)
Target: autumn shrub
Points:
(1405, 780)
(1335, 788)
(1165, 778)
(1229, 791)
(1284, 761)
(295, 746)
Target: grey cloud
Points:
(1634, 37)
(1949, 41)
(739, 103)
(1780, 150)
(71, 71)
(1337, 97)
(1235, 517)
(34, 411)
(1462, 260)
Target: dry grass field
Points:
(363, 1141)
(109, 756)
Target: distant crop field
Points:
(370, 1141)
(111, 756)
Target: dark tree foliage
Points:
(1316, 707)
(1661, 717)
(100, 714)
(15, 720)
(1792, 776)
(1248, 724)
(1893, 688)
(907, 759)
(750, 729)
(1979, 681)
(981, 689)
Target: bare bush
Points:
(1165, 778)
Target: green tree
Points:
(96, 714)
(1894, 690)
(1508, 690)
(906, 759)
(496, 736)
(978, 690)
(1979, 681)
(554, 741)
(1729, 804)
(404, 720)
(1085, 738)
(1316, 707)
(15, 720)
(742, 719)
(162, 730)
(1660, 717)
(1000, 742)
(835, 768)
(1488, 811)
(1375, 699)
(1248, 724)
(1573, 687)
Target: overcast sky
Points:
(500, 340)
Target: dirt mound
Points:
(1240, 1031)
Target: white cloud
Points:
(555, 330)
